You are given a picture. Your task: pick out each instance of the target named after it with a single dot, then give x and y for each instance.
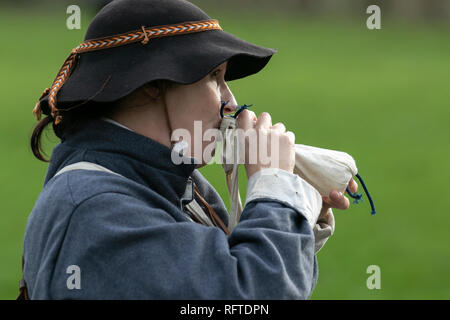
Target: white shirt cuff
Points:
(286, 187)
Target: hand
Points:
(337, 200)
(265, 131)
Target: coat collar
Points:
(126, 152)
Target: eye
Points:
(215, 73)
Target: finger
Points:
(337, 200)
(245, 121)
(325, 205)
(264, 121)
(291, 136)
(352, 185)
(253, 115)
(279, 127)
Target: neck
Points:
(148, 120)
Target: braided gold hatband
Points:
(143, 35)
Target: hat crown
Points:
(120, 16)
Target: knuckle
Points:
(243, 117)
(243, 114)
(285, 138)
(290, 135)
(264, 131)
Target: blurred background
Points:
(380, 95)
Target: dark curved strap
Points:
(212, 213)
(23, 291)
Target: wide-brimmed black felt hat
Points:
(132, 42)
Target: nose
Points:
(227, 108)
(229, 104)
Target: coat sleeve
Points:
(126, 249)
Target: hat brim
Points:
(110, 74)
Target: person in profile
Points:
(112, 220)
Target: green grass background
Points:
(382, 96)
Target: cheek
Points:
(207, 106)
(200, 101)
(216, 102)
